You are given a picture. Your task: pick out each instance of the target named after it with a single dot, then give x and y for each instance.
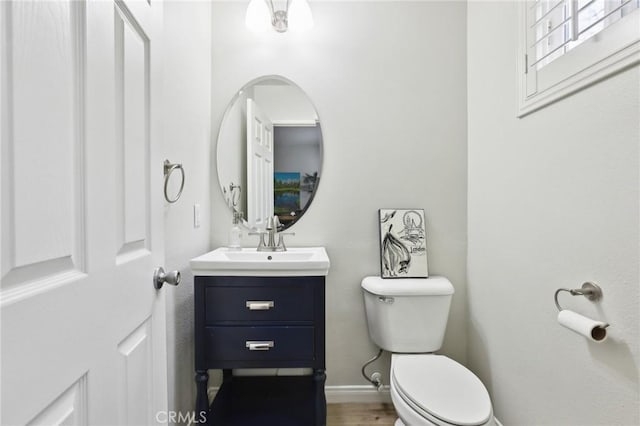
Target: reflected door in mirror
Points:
(260, 166)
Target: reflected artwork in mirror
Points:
(269, 153)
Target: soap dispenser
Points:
(235, 233)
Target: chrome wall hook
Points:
(591, 291)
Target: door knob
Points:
(160, 277)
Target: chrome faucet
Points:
(275, 242)
(272, 230)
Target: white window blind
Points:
(568, 44)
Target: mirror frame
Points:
(227, 112)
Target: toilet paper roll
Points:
(596, 331)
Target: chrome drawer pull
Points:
(259, 346)
(260, 305)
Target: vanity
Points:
(264, 307)
(257, 310)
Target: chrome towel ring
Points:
(232, 197)
(168, 169)
(234, 194)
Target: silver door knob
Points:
(160, 277)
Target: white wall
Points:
(388, 80)
(284, 103)
(553, 202)
(187, 139)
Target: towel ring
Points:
(234, 195)
(168, 169)
(591, 291)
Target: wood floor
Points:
(360, 415)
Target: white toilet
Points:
(408, 318)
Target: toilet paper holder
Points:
(591, 291)
(593, 330)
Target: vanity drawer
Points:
(259, 303)
(260, 343)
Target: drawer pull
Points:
(259, 346)
(260, 305)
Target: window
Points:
(569, 44)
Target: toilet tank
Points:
(407, 315)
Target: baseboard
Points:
(365, 394)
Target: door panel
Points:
(69, 409)
(83, 329)
(42, 147)
(260, 170)
(132, 118)
(135, 376)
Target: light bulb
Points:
(258, 17)
(300, 15)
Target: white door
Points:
(83, 329)
(259, 166)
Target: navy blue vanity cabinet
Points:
(261, 322)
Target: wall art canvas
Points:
(403, 243)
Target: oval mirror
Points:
(269, 153)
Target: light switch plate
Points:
(196, 215)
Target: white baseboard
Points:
(366, 394)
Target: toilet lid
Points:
(443, 388)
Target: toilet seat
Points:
(441, 390)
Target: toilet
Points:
(408, 318)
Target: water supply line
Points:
(376, 378)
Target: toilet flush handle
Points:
(385, 299)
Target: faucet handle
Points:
(281, 239)
(271, 222)
(261, 234)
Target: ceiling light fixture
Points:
(279, 15)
